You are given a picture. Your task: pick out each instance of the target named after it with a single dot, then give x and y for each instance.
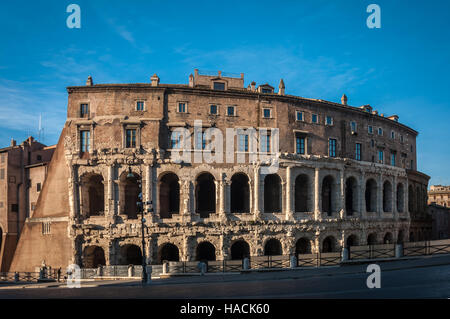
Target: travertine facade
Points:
(327, 192)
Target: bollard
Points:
(165, 268)
(149, 273)
(344, 256)
(398, 250)
(293, 261)
(130, 270)
(16, 277)
(100, 271)
(202, 268)
(246, 263)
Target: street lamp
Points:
(140, 208)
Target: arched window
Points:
(272, 193)
(169, 195)
(93, 195)
(400, 198)
(272, 247)
(328, 195)
(303, 246)
(130, 188)
(371, 195)
(205, 194)
(131, 255)
(240, 194)
(93, 257)
(387, 197)
(302, 194)
(329, 244)
(168, 252)
(372, 239)
(206, 251)
(352, 240)
(240, 250)
(351, 199)
(388, 239)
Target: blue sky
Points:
(321, 49)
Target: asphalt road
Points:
(424, 278)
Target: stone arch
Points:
(130, 188)
(130, 255)
(302, 193)
(371, 195)
(272, 247)
(240, 249)
(329, 244)
(328, 194)
(272, 193)
(93, 194)
(351, 195)
(372, 239)
(400, 198)
(205, 251)
(93, 256)
(168, 252)
(303, 246)
(387, 197)
(388, 238)
(205, 195)
(169, 195)
(240, 193)
(352, 240)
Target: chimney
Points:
(13, 142)
(89, 81)
(253, 86)
(191, 81)
(220, 74)
(344, 99)
(155, 80)
(281, 88)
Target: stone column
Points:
(362, 195)
(380, 196)
(289, 212)
(73, 194)
(111, 206)
(256, 186)
(317, 213)
(394, 197)
(342, 194)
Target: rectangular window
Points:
(299, 116)
(1, 204)
(85, 141)
(401, 138)
(200, 142)
(15, 208)
(370, 129)
(3, 158)
(353, 126)
(392, 134)
(176, 140)
(265, 147)
(131, 138)
(2, 173)
(213, 109)
(84, 110)
(332, 147)
(266, 113)
(243, 142)
(358, 152)
(230, 111)
(314, 118)
(266, 91)
(380, 131)
(181, 107)
(300, 145)
(380, 156)
(38, 187)
(219, 86)
(139, 106)
(328, 120)
(412, 164)
(33, 206)
(393, 159)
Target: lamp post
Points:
(140, 209)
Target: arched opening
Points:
(93, 257)
(411, 199)
(169, 195)
(240, 250)
(168, 252)
(371, 195)
(205, 251)
(388, 239)
(352, 240)
(329, 244)
(400, 237)
(272, 247)
(240, 193)
(351, 200)
(93, 195)
(303, 246)
(130, 184)
(400, 198)
(387, 197)
(131, 255)
(272, 193)
(372, 239)
(205, 191)
(302, 193)
(328, 195)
